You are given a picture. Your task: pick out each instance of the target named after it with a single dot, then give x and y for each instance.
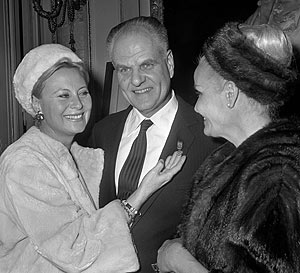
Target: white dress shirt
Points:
(157, 135)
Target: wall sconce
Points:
(157, 10)
(57, 15)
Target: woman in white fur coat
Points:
(49, 220)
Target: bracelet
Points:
(131, 211)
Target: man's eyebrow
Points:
(117, 66)
(150, 60)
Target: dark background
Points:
(189, 23)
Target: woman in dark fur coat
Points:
(244, 211)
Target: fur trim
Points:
(238, 59)
(245, 208)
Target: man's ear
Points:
(36, 104)
(231, 93)
(170, 63)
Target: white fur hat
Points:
(33, 65)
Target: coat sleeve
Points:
(266, 236)
(59, 229)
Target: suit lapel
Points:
(108, 185)
(181, 130)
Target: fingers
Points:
(167, 174)
(167, 162)
(161, 173)
(178, 163)
(159, 166)
(172, 160)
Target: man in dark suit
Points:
(144, 65)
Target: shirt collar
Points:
(161, 118)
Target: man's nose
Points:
(137, 78)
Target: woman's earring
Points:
(39, 116)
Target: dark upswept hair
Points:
(257, 59)
(153, 26)
(62, 63)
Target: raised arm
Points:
(47, 213)
(161, 174)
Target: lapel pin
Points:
(179, 146)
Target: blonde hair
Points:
(272, 41)
(62, 63)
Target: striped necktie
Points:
(132, 168)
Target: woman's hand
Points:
(169, 255)
(173, 257)
(161, 174)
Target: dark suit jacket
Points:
(160, 214)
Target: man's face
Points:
(144, 72)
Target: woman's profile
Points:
(244, 209)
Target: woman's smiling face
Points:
(210, 103)
(66, 104)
